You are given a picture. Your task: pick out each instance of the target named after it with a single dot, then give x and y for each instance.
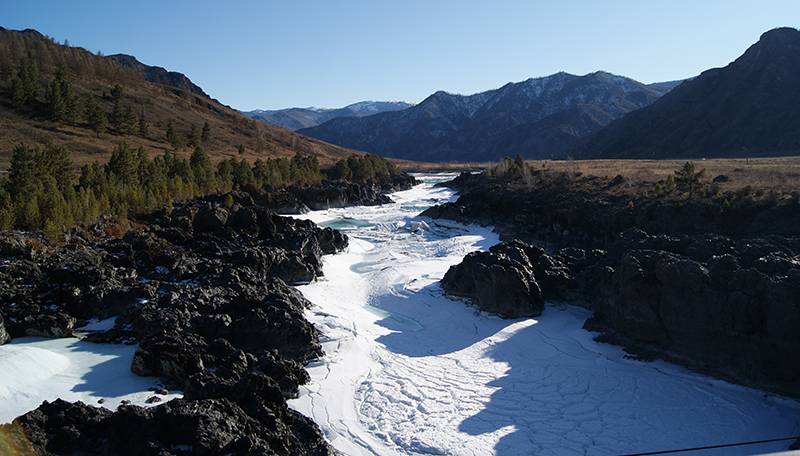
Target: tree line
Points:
(40, 191)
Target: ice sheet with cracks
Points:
(409, 371)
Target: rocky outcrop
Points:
(720, 305)
(202, 289)
(253, 419)
(675, 280)
(505, 280)
(373, 192)
(590, 212)
(301, 198)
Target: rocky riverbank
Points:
(678, 279)
(204, 290)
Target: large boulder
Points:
(499, 283)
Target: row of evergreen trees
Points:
(356, 168)
(40, 192)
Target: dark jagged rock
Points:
(722, 306)
(509, 280)
(254, 419)
(672, 279)
(202, 291)
(591, 212)
(330, 194)
(4, 337)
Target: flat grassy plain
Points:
(762, 175)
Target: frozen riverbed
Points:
(409, 371)
(33, 370)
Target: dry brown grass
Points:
(425, 167)
(780, 174)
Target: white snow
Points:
(33, 370)
(408, 371)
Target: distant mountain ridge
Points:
(536, 118)
(750, 107)
(296, 118)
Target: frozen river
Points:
(408, 371)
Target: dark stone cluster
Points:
(673, 282)
(202, 289)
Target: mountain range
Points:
(747, 108)
(536, 118)
(751, 107)
(296, 118)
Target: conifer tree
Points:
(128, 120)
(193, 137)
(22, 172)
(70, 101)
(124, 164)
(144, 124)
(25, 85)
(18, 95)
(56, 108)
(55, 161)
(206, 133)
(242, 174)
(686, 179)
(172, 135)
(95, 116)
(117, 113)
(202, 170)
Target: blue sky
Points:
(277, 54)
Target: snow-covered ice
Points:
(33, 370)
(408, 371)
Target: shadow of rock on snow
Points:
(563, 393)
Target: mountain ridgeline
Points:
(748, 108)
(296, 118)
(534, 118)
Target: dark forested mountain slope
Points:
(535, 118)
(750, 107)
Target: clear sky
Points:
(265, 54)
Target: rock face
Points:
(203, 291)
(718, 297)
(259, 423)
(721, 305)
(299, 199)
